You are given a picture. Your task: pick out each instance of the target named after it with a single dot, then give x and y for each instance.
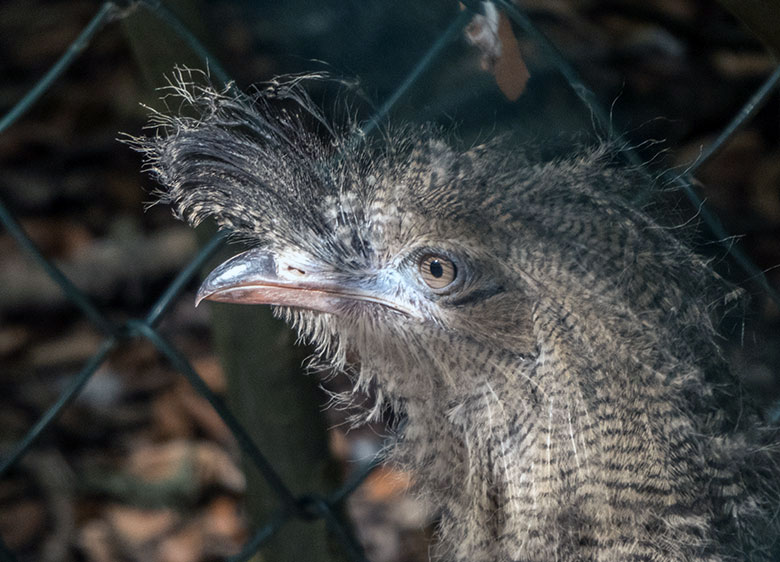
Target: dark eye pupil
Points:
(436, 269)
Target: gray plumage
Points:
(565, 395)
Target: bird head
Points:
(427, 263)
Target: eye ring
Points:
(438, 272)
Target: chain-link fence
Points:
(307, 507)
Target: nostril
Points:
(295, 270)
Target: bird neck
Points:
(560, 459)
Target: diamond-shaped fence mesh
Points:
(307, 507)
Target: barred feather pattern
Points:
(569, 401)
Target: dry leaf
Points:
(212, 465)
(492, 34)
(511, 72)
(135, 527)
(186, 545)
(385, 483)
(222, 518)
(96, 542)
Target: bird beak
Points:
(261, 277)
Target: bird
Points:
(553, 349)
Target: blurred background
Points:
(139, 466)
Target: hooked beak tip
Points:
(224, 282)
(201, 296)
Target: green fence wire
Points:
(308, 506)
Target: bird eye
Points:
(437, 271)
